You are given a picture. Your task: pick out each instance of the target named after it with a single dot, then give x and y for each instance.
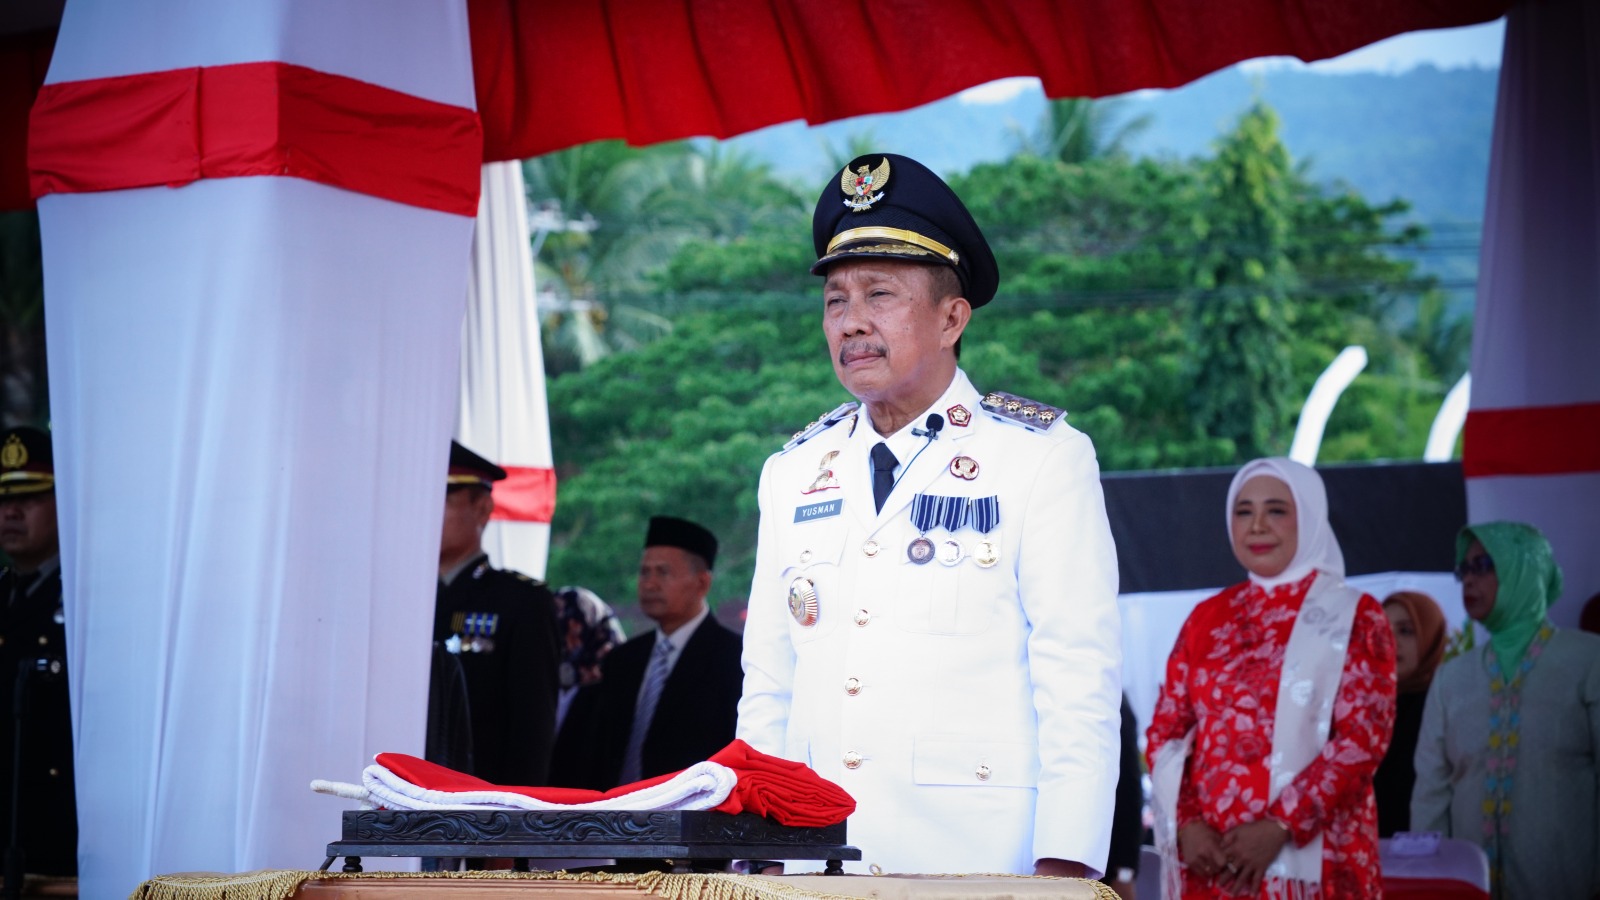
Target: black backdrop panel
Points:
(1390, 517)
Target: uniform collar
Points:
(680, 638)
(449, 577)
(30, 581)
(920, 460)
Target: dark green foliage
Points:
(1237, 309)
(1178, 310)
(24, 391)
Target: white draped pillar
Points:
(503, 414)
(253, 381)
(1532, 447)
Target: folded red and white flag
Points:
(736, 779)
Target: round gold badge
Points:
(950, 553)
(987, 553)
(803, 602)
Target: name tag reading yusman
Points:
(818, 511)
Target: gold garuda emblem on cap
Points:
(864, 186)
(13, 455)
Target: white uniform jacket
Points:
(971, 711)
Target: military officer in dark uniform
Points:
(497, 630)
(33, 651)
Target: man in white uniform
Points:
(933, 621)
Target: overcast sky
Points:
(1447, 48)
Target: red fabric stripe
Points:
(526, 495)
(1536, 440)
(266, 118)
(1431, 889)
(551, 75)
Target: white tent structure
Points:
(1533, 432)
(502, 412)
(254, 385)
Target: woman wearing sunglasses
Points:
(1511, 730)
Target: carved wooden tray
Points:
(681, 837)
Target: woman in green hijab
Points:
(1510, 737)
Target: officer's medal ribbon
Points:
(985, 518)
(924, 515)
(952, 516)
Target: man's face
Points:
(28, 528)
(672, 586)
(466, 512)
(885, 333)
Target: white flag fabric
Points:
(1532, 446)
(703, 785)
(252, 383)
(503, 415)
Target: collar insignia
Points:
(958, 415)
(964, 467)
(864, 186)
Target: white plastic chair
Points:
(1454, 859)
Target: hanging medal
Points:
(924, 515)
(985, 517)
(952, 515)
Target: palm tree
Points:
(857, 144)
(1077, 129)
(614, 214)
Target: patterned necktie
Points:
(655, 677)
(883, 463)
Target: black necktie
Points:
(883, 463)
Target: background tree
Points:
(24, 385)
(1237, 309)
(1078, 129)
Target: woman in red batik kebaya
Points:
(1276, 710)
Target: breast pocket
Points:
(812, 583)
(950, 593)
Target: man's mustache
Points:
(860, 349)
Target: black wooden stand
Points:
(683, 840)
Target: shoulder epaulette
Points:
(528, 578)
(1030, 414)
(839, 414)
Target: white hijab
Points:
(1318, 548)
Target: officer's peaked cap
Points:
(883, 205)
(467, 467)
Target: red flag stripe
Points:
(1535, 440)
(526, 495)
(266, 118)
